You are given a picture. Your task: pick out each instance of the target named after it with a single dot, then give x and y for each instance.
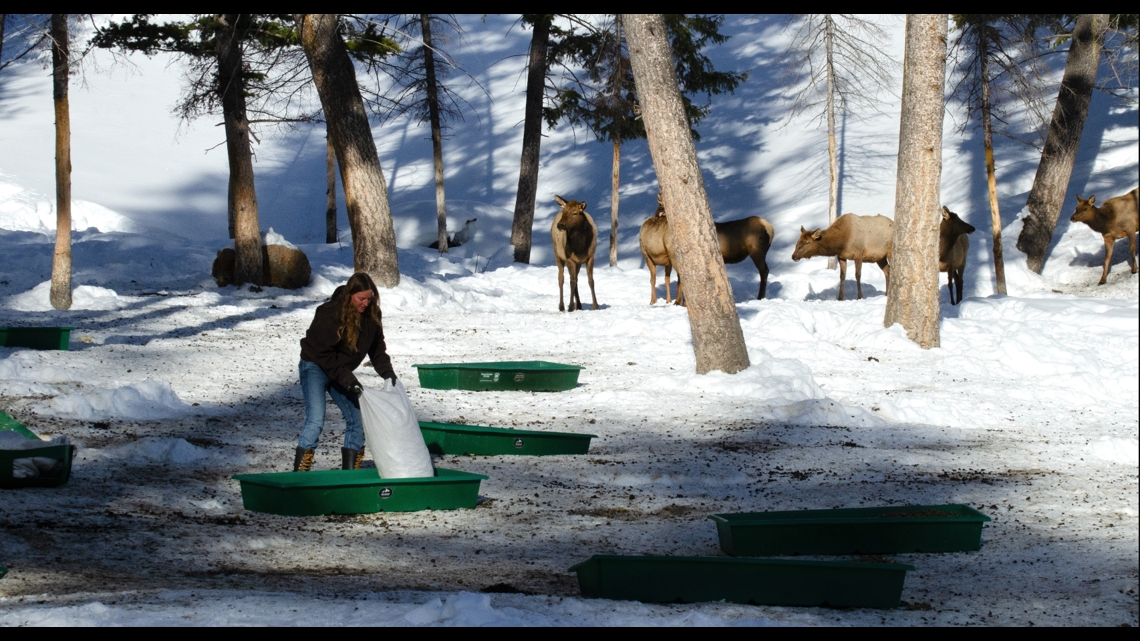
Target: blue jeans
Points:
(314, 384)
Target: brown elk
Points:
(739, 239)
(953, 247)
(851, 237)
(575, 237)
(1116, 218)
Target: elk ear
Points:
(583, 206)
(1092, 200)
(945, 214)
(802, 230)
(558, 199)
(817, 234)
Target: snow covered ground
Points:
(1028, 411)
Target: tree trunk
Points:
(912, 290)
(991, 179)
(436, 132)
(330, 192)
(532, 140)
(242, 194)
(61, 260)
(365, 192)
(1062, 139)
(615, 182)
(718, 341)
(3, 19)
(832, 157)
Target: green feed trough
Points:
(7, 423)
(36, 337)
(62, 453)
(452, 438)
(871, 530)
(533, 376)
(356, 492)
(785, 582)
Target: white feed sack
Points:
(393, 433)
(32, 466)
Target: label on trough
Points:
(385, 492)
(518, 442)
(489, 377)
(519, 377)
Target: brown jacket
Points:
(321, 346)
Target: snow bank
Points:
(27, 365)
(26, 210)
(158, 451)
(149, 399)
(1116, 450)
(84, 297)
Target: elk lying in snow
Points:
(739, 239)
(575, 237)
(850, 237)
(1116, 218)
(953, 246)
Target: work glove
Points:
(354, 391)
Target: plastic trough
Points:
(535, 376)
(36, 337)
(872, 530)
(452, 438)
(356, 492)
(784, 582)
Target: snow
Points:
(1028, 410)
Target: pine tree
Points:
(60, 295)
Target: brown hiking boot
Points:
(303, 459)
(351, 459)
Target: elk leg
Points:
(859, 277)
(1132, 251)
(842, 276)
(575, 300)
(590, 279)
(668, 296)
(762, 267)
(653, 280)
(1109, 245)
(883, 265)
(957, 286)
(561, 305)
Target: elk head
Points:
(660, 206)
(953, 225)
(572, 212)
(808, 243)
(1086, 210)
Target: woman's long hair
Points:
(349, 329)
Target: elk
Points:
(1115, 219)
(953, 246)
(851, 237)
(739, 239)
(575, 237)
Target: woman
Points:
(344, 330)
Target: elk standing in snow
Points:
(953, 246)
(575, 237)
(656, 246)
(850, 237)
(1116, 218)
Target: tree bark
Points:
(1062, 139)
(3, 19)
(60, 294)
(436, 131)
(832, 157)
(330, 192)
(242, 194)
(365, 192)
(718, 341)
(615, 182)
(991, 178)
(912, 293)
(532, 140)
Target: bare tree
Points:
(3, 21)
(1063, 138)
(242, 197)
(999, 61)
(523, 222)
(847, 70)
(718, 341)
(912, 293)
(365, 192)
(330, 191)
(61, 70)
